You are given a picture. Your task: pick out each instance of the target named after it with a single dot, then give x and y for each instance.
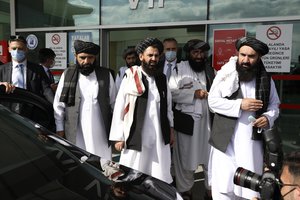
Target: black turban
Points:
(153, 42)
(255, 44)
(129, 51)
(86, 47)
(196, 44)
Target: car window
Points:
(29, 105)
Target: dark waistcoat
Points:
(223, 126)
(72, 112)
(134, 140)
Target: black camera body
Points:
(267, 183)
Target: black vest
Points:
(223, 126)
(134, 140)
(72, 113)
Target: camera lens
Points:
(247, 179)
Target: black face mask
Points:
(86, 69)
(246, 74)
(197, 66)
(151, 70)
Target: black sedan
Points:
(37, 164)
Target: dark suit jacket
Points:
(47, 79)
(35, 79)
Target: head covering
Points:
(196, 44)
(144, 44)
(86, 47)
(129, 51)
(254, 43)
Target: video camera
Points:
(266, 184)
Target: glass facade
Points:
(117, 24)
(56, 13)
(232, 9)
(4, 19)
(137, 12)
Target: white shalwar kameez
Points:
(190, 150)
(155, 157)
(91, 134)
(242, 151)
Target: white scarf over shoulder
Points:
(134, 88)
(227, 78)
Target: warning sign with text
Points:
(224, 45)
(58, 43)
(279, 40)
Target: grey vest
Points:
(223, 127)
(72, 112)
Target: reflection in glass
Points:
(51, 13)
(237, 9)
(120, 12)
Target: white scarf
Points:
(134, 88)
(227, 78)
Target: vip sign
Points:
(134, 4)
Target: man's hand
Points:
(61, 133)
(9, 88)
(249, 104)
(119, 145)
(261, 122)
(200, 94)
(53, 87)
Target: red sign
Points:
(4, 54)
(224, 45)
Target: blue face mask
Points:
(170, 55)
(17, 55)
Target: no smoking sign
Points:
(55, 39)
(274, 32)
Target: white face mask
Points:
(170, 55)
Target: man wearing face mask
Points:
(192, 119)
(47, 61)
(22, 73)
(84, 101)
(169, 58)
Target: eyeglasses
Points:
(281, 185)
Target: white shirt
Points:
(14, 78)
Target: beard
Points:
(131, 64)
(197, 66)
(247, 71)
(151, 69)
(86, 69)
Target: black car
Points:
(37, 164)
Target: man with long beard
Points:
(143, 118)
(84, 102)
(189, 85)
(244, 99)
